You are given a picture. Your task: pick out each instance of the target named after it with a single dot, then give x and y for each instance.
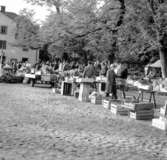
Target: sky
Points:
(17, 5)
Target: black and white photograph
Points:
(83, 79)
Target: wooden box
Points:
(106, 103)
(142, 115)
(96, 100)
(160, 124)
(119, 111)
(139, 106)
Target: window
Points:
(2, 44)
(3, 30)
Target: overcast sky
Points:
(17, 5)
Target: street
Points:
(36, 124)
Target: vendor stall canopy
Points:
(156, 64)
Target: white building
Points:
(8, 50)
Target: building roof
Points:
(11, 15)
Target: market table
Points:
(151, 95)
(86, 85)
(101, 81)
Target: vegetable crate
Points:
(161, 122)
(117, 109)
(96, 99)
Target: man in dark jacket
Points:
(89, 71)
(111, 83)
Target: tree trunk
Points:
(163, 59)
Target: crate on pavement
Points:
(119, 110)
(139, 106)
(96, 99)
(142, 115)
(107, 102)
(161, 122)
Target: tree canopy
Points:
(128, 30)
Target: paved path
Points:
(36, 124)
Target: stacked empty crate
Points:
(161, 122)
(96, 99)
(115, 106)
(140, 110)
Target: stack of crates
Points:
(106, 103)
(117, 108)
(142, 111)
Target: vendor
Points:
(111, 82)
(97, 67)
(123, 76)
(103, 69)
(89, 71)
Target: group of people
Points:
(110, 71)
(93, 69)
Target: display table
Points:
(85, 89)
(151, 95)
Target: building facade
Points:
(8, 48)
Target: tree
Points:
(158, 10)
(27, 34)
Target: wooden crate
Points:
(106, 103)
(139, 106)
(142, 115)
(160, 124)
(119, 111)
(163, 111)
(96, 100)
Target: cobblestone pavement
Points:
(36, 124)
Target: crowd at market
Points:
(91, 70)
(70, 69)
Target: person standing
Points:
(89, 71)
(111, 82)
(97, 67)
(103, 69)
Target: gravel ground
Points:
(36, 124)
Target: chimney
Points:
(3, 9)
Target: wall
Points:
(11, 50)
